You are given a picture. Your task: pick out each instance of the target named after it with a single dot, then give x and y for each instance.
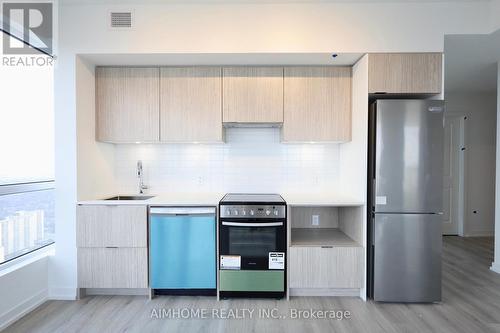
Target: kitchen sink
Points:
(131, 197)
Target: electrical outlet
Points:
(315, 220)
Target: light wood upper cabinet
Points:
(405, 73)
(127, 104)
(190, 104)
(253, 94)
(317, 104)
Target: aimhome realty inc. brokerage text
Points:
(233, 313)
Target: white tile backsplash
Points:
(251, 160)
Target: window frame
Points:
(18, 188)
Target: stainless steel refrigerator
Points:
(405, 200)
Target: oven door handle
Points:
(243, 224)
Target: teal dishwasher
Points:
(182, 245)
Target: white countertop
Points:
(212, 199)
(170, 199)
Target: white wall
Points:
(223, 28)
(22, 290)
(354, 155)
(62, 267)
(252, 159)
(496, 264)
(95, 160)
(339, 27)
(480, 109)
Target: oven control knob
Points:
(235, 212)
(243, 212)
(252, 212)
(276, 212)
(228, 212)
(268, 212)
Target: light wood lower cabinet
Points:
(112, 267)
(107, 225)
(112, 246)
(326, 268)
(317, 104)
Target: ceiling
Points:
(471, 62)
(180, 59)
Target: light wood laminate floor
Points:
(471, 303)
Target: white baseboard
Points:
(495, 267)
(362, 294)
(351, 292)
(22, 309)
(62, 294)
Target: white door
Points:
(454, 151)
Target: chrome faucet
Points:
(140, 175)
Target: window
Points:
(27, 158)
(26, 220)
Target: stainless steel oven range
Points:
(252, 246)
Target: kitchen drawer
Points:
(318, 267)
(113, 267)
(258, 281)
(108, 225)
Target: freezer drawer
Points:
(407, 264)
(182, 251)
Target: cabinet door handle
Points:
(327, 247)
(111, 247)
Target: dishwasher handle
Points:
(186, 211)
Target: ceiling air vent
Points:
(121, 19)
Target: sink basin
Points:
(131, 197)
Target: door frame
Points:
(462, 168)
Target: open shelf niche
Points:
(338, 226)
